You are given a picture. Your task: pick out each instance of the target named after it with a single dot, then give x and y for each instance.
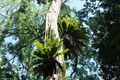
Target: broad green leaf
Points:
(39, 46)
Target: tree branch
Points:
(75, 66)
(4, 16)
(12, 57)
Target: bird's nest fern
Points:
(74, 37)
(45, 57)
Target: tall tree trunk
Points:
(51, 30)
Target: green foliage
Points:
(106, 41)
(74, 37)
(22, 31)
(65, 10)
(45, 57)
(6, 69)
(21, 26)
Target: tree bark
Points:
(51, 30)
(51, 18)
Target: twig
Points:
(4, 16)
(12, 57)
